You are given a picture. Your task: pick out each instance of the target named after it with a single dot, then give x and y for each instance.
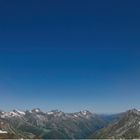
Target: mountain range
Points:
(55, 124)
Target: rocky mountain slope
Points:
(127, 126)
(53, 124)
(36, 124)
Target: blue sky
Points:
(70, 55)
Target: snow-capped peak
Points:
(9, 114)
(50, 112)
(84, 112)
(36, 110)
(19, 112)
(14, 113)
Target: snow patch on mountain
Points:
(50, 113)
(14, 113)
(3, 132)
(9, 114)
(37, 110)
(84, 112)
(75, 116)
(19, 112)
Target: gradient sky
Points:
(70, 55)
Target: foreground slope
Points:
(128, 126)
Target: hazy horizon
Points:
(70, 55)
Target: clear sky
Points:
(70, 54)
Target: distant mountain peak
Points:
(134, 111)
(85, 112)
(19, 112)
(36, 110)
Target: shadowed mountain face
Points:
(57, 124)
(127, 126)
